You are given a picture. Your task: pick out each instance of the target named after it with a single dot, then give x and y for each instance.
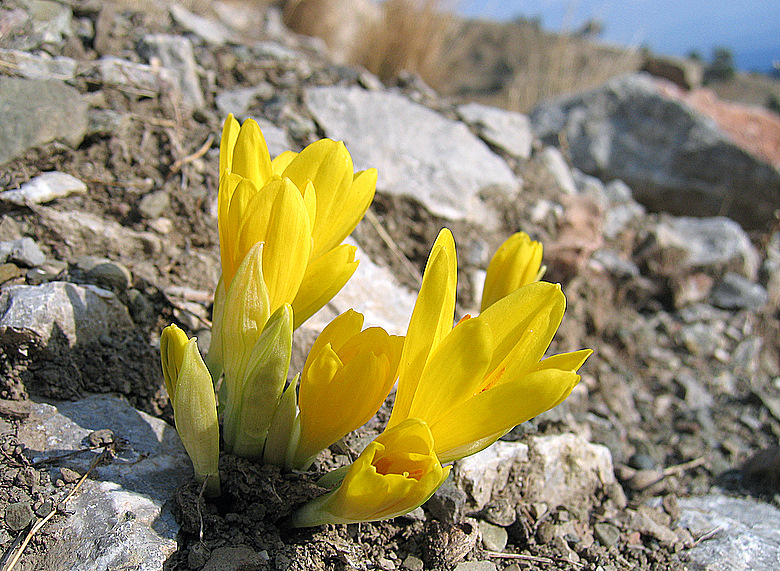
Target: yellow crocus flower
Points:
(517, 262)
(345, 380)
(194, 408)
(473, 383)
(393, 475)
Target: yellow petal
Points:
(454, 370)
(526, 319)
(250, 154)
(431, 320)
(227, 144)
(228, 227)
(323, 279)
(392, 476)
(497, 410)
(335, 334)
(172, 344)
(515, 264)
(280, 163)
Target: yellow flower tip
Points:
(516, 263)
(345, 380)
(396, 473)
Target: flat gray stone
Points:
(44, 188)
(735, 292)
(746, 533)
(22, 251)
(419, 153)
(674, 158)
(33, 66)
(140, 76)
(508, 130)
(119, 519)
(34, 112)
(212, 31)
(176, 54)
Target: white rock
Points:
(44, 188)
(488, 471)
(418, 152)
(508, 130)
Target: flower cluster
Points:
(460, 388)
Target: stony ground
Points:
(686, 396)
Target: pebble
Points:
(494, 537)
(607, 534)
(475, 566)
(18, 515)
(413, 563)
(154, 204)
(447, 503)
(500, 512)
(69, 476)
(105, 272)
(44, 188)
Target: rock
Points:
(175, 53)
(556, 165)
(715, 245)
(745, 533)
(82, 314)
(40, 66)
(413, 563)
(508, 130)
(51, 21)
(500, 511)
(494, 537)
(448, 503)
(673, 157)
(418, 152)
(211, 31)
(145, 78)
(44, 188)
(735, 292)
(118, 518)
(612, 263)
(154, 204)
(642, 521)
(235, 558)
(488, 471)
(34, 112)
(23, 252)
(237, 102)
(566, 470)
(475, 566)
(18, 515)
(105, 272)
(607, 534)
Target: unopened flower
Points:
(393, 475)
(516, 263)
(191, 392)
(345, 380)
(473, 383)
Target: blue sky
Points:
(750, 28)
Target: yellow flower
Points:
(473, 383)
(194, 408)
(345, 380)
(305, 263)
(394, 474)
(516, 263)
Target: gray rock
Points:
(18, 515)
(52, 21)
(559, 169)
(733, 291)
(119, 518)
(81, 313)
(154, 204)
(488, 471)
(494, 537)
(44, 188)
(448, 502)
(618, 218)
(716, 244)
(235, 558)
(34, 112)
(418, 152)
(413, 563)
(43, 66)
(105, 272)
(175, 53)
(745, 533)
(607, 534)
(612, 263)
(212, 31)
(236, 101)
(674, 158)
(500, 511)
(566, 469)
(145, 78)
(23, 251)
(475, 566)
(508, 130)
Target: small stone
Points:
(494, 537)
(154, 204)
(234, 559)
(69, 476)
(44, 188)
(197, 556)
(18, 515)
(10, 272)
(26, 253)
(447, 503)
(735, 292)
(413, 563)
(105, 272)
(44, 509)
(475, 566)
(101, 437)
(607, 534)
(500, 512)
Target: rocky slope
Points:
(665, 455)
